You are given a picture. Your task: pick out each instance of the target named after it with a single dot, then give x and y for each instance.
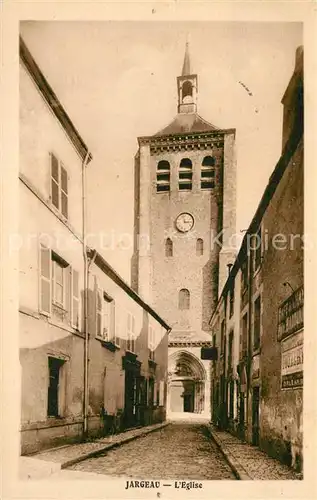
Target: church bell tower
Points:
(185, 215)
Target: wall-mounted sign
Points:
(210, 353)
(291, 315)
(292, 368)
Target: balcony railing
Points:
(291, 314)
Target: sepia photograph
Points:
(160, 253)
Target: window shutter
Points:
(118, 323)
(45, 280)
(112, 325)
(64, 192)
(105, 319)
(68, 272)
(54, 181)
(75, 299)
(98, 312)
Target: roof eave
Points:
(53, 102)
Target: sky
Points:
(117, 81)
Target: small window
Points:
(163, 176)
(207, 175)
(185, 174)
(184, 299)
(169, 248)
(54, 387)
(60, 281)
(199, 247)
(59, 186)
(244, 334)
(257, 323)
(106, 318)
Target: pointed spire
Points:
(186, 65)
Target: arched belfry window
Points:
(207, 176)
(187, 90)
(168, 248)
(199, 247)
(185, 174)
(163, 176)
(183, 299)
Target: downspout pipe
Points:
(249, 351)
(86, 333)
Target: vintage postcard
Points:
(154, 231)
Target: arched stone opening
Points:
(187, 379)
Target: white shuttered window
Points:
(59, 186)
(58, 287)
(45, 280)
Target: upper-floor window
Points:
(207, 174)
(163, 176)
(199, 247)
(59, 287)
(257, 249)
(106, 318)
(131, 333)
(257, 323)
(244, 334)
(230, 351)
(184, 299)
(168, 248)
(151, 343)
(222, 337)
(244, 274)
(59, 186)
(231, 300)
(185, 174)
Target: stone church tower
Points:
(185, 194)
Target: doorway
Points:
(255, 415)
(189, 397)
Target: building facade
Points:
(68, 368)
(257, 389)
(128, 353)
(185, 179)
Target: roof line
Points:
(53, 101)
(275, 178)
(215, 131)
(110, 271)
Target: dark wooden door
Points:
(255, 415)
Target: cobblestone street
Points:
(178, 451)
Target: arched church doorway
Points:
(187, 378)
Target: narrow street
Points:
(178, 451)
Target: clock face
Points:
(184, 222)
